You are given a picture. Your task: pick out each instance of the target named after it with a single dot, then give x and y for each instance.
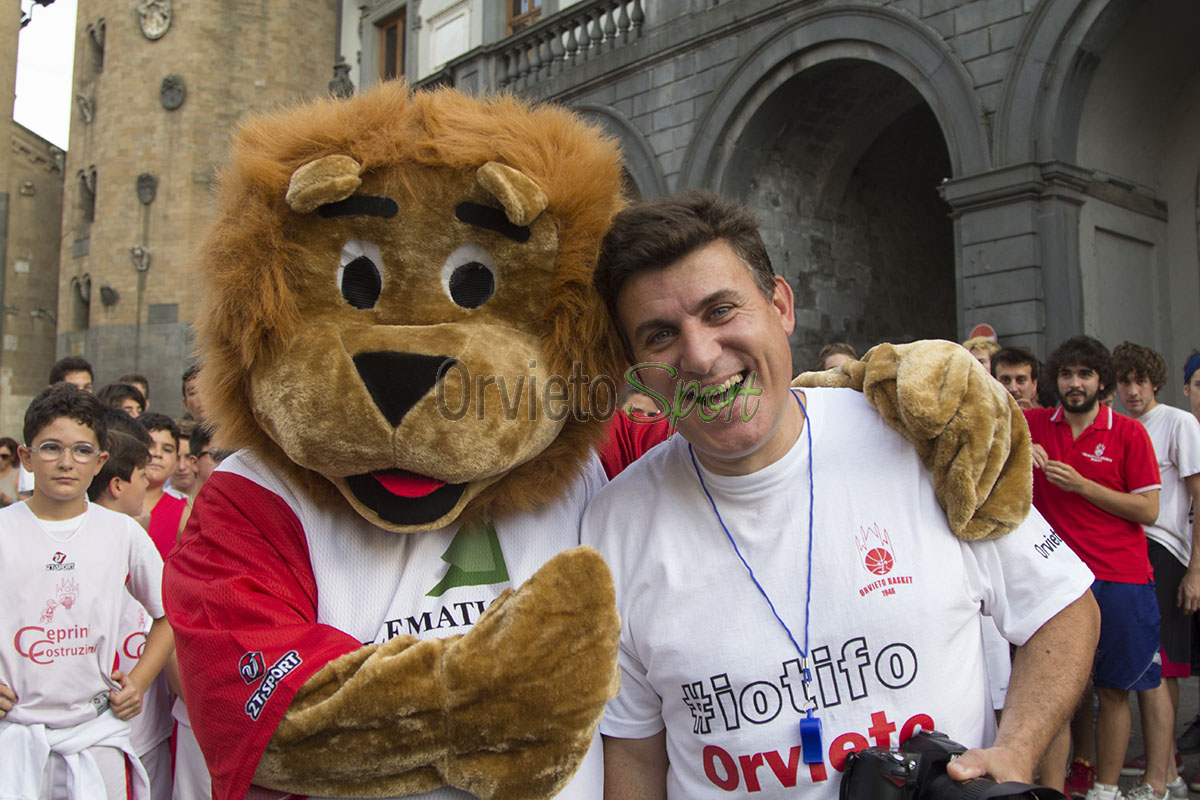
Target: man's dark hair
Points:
(116, 393)
(135, 377)
(659, 232)
(189, 374)
(833, 349)
(125, 454)
(64, 399)
(1141, 362)
(153, 421)
(199, 440)
(117, 420)
(69, 364)
(1083, 351)
(1015, 356)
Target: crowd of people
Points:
(744, 555)
(107, 486)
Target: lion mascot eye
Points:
(469, 276)
(359, 276)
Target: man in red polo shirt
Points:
(1096, 481)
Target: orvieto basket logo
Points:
(878, 557)
(875, 549)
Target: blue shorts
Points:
(1126, 657)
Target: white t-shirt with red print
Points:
(60, 623)
(894, 636)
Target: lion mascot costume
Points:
(380, 593)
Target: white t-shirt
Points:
(1176, 437)
(154, 724)
(894, 634)
(61, 615)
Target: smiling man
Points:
(789, 588)
(1096, 480)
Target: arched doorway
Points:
(842, 163)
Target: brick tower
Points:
(159, 87)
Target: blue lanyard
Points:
(810, 726)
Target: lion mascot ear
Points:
(397, 286)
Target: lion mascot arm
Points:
(331, 716)
(966, 427)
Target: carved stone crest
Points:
(155, 17)
(147, 187)
(172, 92)
(141, 258)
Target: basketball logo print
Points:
(878, 561)
(875, 548)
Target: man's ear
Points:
(116, 487)
(785, 301)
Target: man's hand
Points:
(1064, 476)
(998, 763)
(7, 698)
(1188, 597)
(126, 703)
(1040, 456)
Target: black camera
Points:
(917, 771)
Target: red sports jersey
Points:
(1115, 452)
(627, 439)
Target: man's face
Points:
(704, 317)
(184, 476)
(1018, 379)
(163, 456)
(1136, 393)
(1078, 388)
(192, 401)
(1192, 390)
(63, 479)
(81, 378)
(205, 464)
(131, 407)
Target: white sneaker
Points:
(1100, 791)
(1178, 788)
(1146, 792)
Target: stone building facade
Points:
(31, 185)
(920, 166)
(159, 88)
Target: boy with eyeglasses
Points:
(64, 711)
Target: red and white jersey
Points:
(60, 623)
(266, 587)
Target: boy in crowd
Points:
(183, 480)
(75, 370)
(167, 507)
(1175, 433)
(121, 486)
(123, 397)
(138, 381)
(1096, 482)
(204, 459)
(68, 563)
(191, 394)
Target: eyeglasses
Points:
(82, 452)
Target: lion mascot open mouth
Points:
(397, 289)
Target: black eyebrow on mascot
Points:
(390, 284)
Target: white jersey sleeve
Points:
(145, 570)
(1025, 578)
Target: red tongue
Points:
(407, 484)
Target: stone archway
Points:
(842, 164)
(642, 174)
